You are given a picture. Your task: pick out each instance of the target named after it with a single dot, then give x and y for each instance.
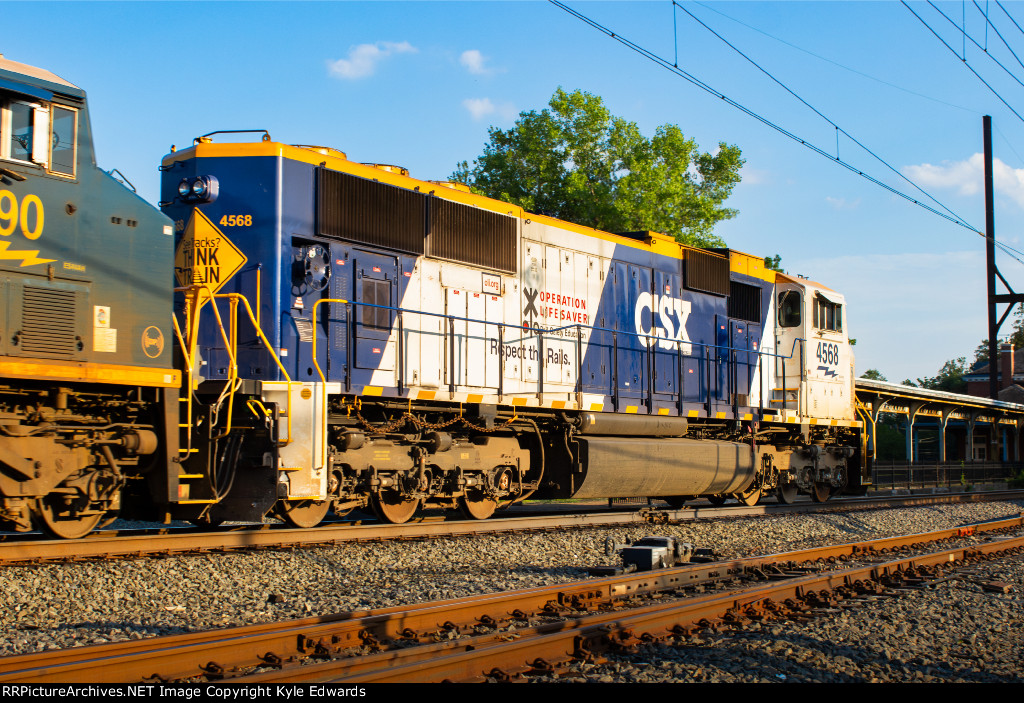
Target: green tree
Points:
(950, 377)
(873, 375)
(773, 263)
(981, 352)
(1016, 337)
(576, 161)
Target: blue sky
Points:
(418, 84)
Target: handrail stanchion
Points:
(350, 324)
(650, 376)
(679, 377)
(579, 366)
(501, 360)
(451, 359)
(400, 362)
(801, 407)
(540, 368)
(615, 371)
(707, 378)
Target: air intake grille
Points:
(471, 235)
(48, 322)
(745, 302)
(706, 271)
(369, 212)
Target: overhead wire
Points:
(834, 63)
(963, 60)
(999, 34)
(818, 113)
(1005, 248)
(983, 49)
(1007, 13)
(694, 80)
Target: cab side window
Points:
(38, 134)
(16, 118)
(790, 305)
(62, 149)
(828, 315)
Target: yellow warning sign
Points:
(205, 257)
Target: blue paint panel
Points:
(280, 196)
(375, 284)
(338, 318)
(633, 357)
(668, 354)
(700, 370)
(247, 187)
(739, 340)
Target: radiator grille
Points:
(472, 236)
(370, 212)
(707, 272)
(745, 302)
(48, 319)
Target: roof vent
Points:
(454, 185)
(325, 150)
(390, 168)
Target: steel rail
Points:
(168, 542)
(230, 651)
(541, 648)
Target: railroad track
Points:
(507, 635)
(168, 541)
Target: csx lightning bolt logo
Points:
(26, 216)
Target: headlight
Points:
(202, 189)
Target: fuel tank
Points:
(621, 467)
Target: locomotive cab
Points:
(85, 358)
(814, 367)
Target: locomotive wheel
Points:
(394, 509)
(787, 493)
(63, 521)
(749, 498)
(303, 513)
(477, 507)
(821, 492)
(716, 500)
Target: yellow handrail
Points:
(188, 394)
(238, 297)
(194, 303)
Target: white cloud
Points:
(480, 108)
(473, 60)
(968, 177)
(363, 59)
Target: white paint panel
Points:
(430, 328)
(476, 340)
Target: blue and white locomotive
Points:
(339, 335)
(351, 336)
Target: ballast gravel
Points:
(954, 631)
